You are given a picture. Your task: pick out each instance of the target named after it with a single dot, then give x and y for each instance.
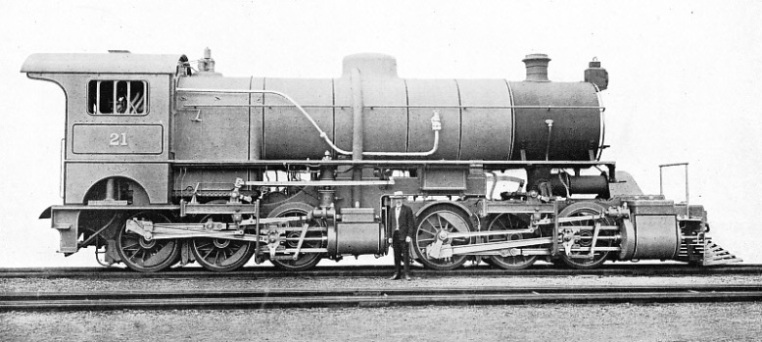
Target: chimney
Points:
(537, 67)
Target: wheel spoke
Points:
(142, 255)
(130, 245)
(206, 256)
(508, 222)
(431, 222)
(130, 239)
(427, 231)
(204, 246)
(583, 259)
(502, 226)
(432, 225)
(304, 261)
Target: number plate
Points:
(117, 139)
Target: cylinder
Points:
(579, 185)
(356, 239)
(657, 237)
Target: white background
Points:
(686, 81)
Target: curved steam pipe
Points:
(436, 124)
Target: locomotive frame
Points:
(159, 169)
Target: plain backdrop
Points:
(685, 81)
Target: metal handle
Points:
(687, 192)
(62, 170)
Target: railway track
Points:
(373, 271)
(375, 297)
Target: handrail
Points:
(436, 124)
(469, 162)
(464, 107)
(687, 192)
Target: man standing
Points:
(403, 226)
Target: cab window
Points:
(117, 97)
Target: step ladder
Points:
(707, 253)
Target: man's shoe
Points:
(407, 277)
(395, 276)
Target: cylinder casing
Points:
(657, 232)
(357, 238)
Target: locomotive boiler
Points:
(167, 164)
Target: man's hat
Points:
(398, 194)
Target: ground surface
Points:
(179, 284)
(622, 322)
(674, 322)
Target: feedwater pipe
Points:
(436, 124)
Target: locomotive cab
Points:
(115, 152)
(117, 119)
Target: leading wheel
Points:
(434, 220)
(508, 222)
(305, 261)
(144, 255)
(584, 237)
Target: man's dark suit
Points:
(406, 229)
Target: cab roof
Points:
(102, 63)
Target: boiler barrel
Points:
(481, 119)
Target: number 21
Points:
(118, 139)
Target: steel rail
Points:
(363, 297)
(382, 271)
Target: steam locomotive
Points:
(164, 163)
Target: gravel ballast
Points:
(565, 322)
(622, 322)
(180, 284)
